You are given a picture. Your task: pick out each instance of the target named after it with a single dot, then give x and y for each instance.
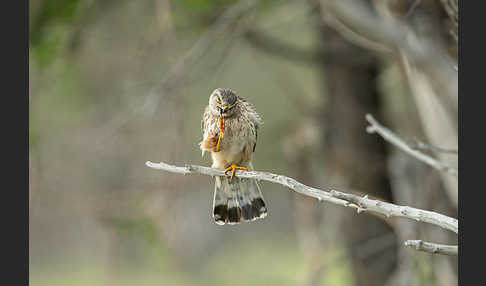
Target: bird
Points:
(229, 128)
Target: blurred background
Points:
(114, 84)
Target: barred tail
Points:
(237, 200)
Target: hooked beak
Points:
(223, 109)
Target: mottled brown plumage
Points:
(235, 199)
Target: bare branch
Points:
(388, 209)
(391, 137)
(335, 197)
(419, 145)
(432, 247)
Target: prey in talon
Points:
(221, 132)
(229, 127)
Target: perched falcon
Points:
(229, 128)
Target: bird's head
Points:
(223, 102)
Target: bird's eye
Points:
(218, 100)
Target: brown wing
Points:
(202, 126)
(254, 117)
(256, 136)
(203, 120)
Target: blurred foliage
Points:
(204, 6)
(49, 31)
(51, 12)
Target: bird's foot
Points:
(233, 168)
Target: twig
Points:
(432, 247)
(335, 197)
(391, 137)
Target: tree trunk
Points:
(356, 160)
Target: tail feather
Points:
(244, 200)
(237, 200)
(234, 210)
(220, 202)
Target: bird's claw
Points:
(233, 168)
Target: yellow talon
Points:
(233, 168)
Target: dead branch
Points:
(339, 198)
(419, 145)
(432, 247)
(391, 137)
